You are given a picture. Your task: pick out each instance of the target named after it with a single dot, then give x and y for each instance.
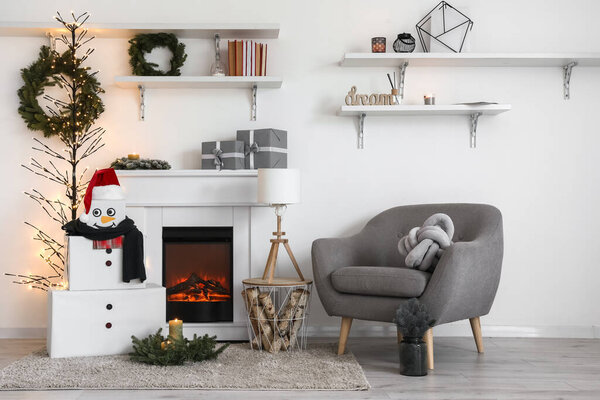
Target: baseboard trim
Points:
(359, 329)
(463, 328)
(22, 333)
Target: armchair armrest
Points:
(329, 255)
(466, 279)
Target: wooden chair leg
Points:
(429, 340)
(399, 336)
(476, 328)
(344, 331)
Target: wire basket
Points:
(277, 316)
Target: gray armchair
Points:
(364, 276)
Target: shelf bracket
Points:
(361, 131)
(567, 79)
(51, 40)
(142, 90)
(474, 121)
(253, 108)
(401, 83)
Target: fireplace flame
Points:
(199, 289)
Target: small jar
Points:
(405, 43)
(378, 45)
(429, 99)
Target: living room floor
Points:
(511, 368)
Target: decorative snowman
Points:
(104, 201)
(107, 227)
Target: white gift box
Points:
(101, 322)
(95, 269)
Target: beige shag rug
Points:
(238, 367)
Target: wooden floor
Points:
(509, 369)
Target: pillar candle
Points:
(133, 156)
(176, 329)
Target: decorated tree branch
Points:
(70, 119)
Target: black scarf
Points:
(133, 244)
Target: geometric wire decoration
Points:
(446, 26)
(277, 316)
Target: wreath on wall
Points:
(144, 43)
(46, 72)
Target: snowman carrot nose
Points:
(104, 219)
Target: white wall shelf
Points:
(473, 111)
(127, 31)
(566, 61)
(539, 60)
(198, 82)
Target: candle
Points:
(133, 156)
(176, 329)
(429, 99)
(164, 344)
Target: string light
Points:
(74, 138)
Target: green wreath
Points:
(44, 73)
(145, 43)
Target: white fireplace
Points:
(196, 198)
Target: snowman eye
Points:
(96, 212)
(110, 212)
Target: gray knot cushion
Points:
(380, 281)
(423, 246)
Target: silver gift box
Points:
(264, 148)
(223, 155)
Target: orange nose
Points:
(105, 219)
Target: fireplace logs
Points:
(274, 330)
(195, 288)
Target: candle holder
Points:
(378, 44)
(133, 156)
(429, 99)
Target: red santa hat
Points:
(104, 185)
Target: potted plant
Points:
(413, 320)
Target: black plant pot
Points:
(413, 357)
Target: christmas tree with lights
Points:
(71, 120)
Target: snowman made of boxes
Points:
(107, 300)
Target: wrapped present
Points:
(223, 155)
(264, 148)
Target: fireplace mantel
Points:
(190, 188)
(195, 198)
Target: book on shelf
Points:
(247, 58)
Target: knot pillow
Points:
(423, 246)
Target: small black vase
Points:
(405, 43)
(413, 357)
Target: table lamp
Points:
(278, 187)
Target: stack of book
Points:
(247, 58)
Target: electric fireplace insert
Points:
(198, 273)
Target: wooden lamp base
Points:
(269, 273)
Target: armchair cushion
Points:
(380, 281)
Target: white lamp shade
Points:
(278, 186)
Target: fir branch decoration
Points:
(151, 350)
(412, 319)
(62, 70)
(144, 163)
(144, 43)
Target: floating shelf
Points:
(197, 82)
(473, 111)
(470, 59)
(566, 61)
(450, 109)
(127, 31)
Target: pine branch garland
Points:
(144, 163)
(158, 350)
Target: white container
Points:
(101, 322)
(95, 269)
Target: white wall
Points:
(536, 163)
